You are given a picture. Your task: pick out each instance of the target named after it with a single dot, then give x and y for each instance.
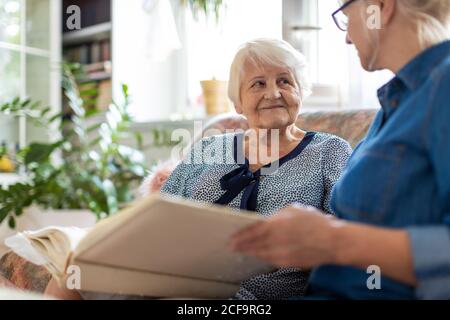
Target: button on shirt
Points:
(399, 177)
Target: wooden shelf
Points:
(93, 33)
(97, 66)
(98, 76)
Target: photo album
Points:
(159, 246)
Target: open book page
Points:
(49, 247)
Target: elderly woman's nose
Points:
(272, 92)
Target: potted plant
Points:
(215, 96)
(206, 7)
(215, 92)
(81, 171)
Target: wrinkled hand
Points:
(296, 236)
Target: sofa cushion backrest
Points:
(351, 125)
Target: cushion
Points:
(21, 274)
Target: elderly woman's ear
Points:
(238, 108)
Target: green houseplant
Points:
(87, 167)
(207, 7)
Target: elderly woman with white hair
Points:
(268, 82)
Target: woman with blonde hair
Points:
(391, 237)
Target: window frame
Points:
(53, 53)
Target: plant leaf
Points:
(12, 222)
(111, 196)
(4, 212)
(39, 152)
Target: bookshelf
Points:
(97, 32)
(91, 47)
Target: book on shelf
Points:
(160, 247)
(105, 50)
(89, 53)
(84, 54)
(95, 52)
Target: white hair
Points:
(432, 18)
(272, 52)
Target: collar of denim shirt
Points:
(411, 76)
(419, 68)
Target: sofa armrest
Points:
(21, 274)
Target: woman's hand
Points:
(297, 236)
(303, 237)
(55, 291)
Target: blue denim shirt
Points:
(399, 177)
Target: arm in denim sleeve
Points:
(334, 160)
(431, 257)
(431, 244)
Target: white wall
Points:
(158, 88)
(211, 49)
(161, 89)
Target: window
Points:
(168, 88)
(339, 81)
(165, 89)
(211, 49)
(29, 51)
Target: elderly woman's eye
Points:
(258, 84)
(285, 81)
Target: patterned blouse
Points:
(213, 172)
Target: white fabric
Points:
(162, 36)
(21, 245)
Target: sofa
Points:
(351, 125)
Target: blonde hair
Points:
(273, 52)
(432, 18)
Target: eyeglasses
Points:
(340, 18)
